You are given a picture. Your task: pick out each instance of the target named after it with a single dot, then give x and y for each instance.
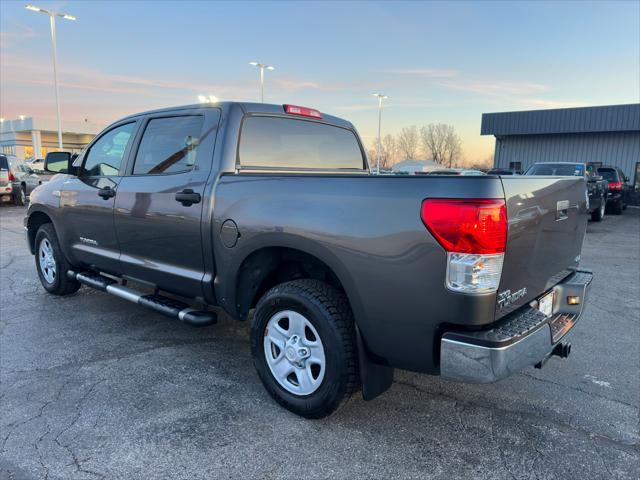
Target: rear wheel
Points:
(616, 208)
(304, 348)
(51, 265)
(598, 214)
(20, 197)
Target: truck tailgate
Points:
(547, 223)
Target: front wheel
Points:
(598, 214)
(304, 348)
(51, 265)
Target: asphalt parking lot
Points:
(94, 387)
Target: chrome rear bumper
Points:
(524, 338)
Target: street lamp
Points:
(262, 68)
(52, 24)
(379, 149)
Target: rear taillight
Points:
(615, 185)
(474, 234)
(12, 178)
(467, 226)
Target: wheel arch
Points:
(267, 266)
(35, 220)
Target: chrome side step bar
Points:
(164, 305)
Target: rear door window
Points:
(286, 143)
(169, 145)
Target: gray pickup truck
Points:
(272, 209)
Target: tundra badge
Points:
(506, 298)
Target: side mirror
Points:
(58, 162)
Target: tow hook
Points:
(561, 350)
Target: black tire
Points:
(616, 208)
(20, 198)
(598, 214)
(328, 310)
(60, 284)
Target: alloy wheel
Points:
(294, 352)
(47, 261)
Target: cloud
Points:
(22, 71)
(292, 84)
(544, 103)
(374, 105)
(422, 72)
(491, 88)
(22, 32)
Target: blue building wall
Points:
(616, 148)
(606, 134)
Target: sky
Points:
(439, 62)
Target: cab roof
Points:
(247, 107)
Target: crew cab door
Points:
(86, 200)
(159, 204)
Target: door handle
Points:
(107, 192)
(187, 197)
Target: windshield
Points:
(557, 169)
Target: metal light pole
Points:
(262, 68)
(52, 24)
(379, 149)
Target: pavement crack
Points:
(626, 446)
(79, 410)
(503, 460)
(577, 389)
(457, 412)
(14, 426)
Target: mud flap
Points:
(376, 378)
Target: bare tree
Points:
(453, 148)
(389, 152)
(408, 141)
(442, 142)
(432, 140)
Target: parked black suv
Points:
(619, 188)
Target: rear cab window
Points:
(609, 174)
(270, 142)
(557, 169)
